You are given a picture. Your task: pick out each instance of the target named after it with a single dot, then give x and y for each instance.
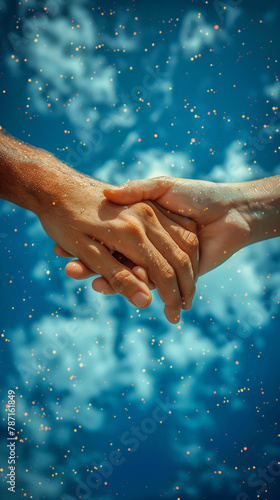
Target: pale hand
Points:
(223, 217)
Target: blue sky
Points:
(187, 89)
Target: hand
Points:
(84, 224)
(222, 214)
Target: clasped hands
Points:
(156, 233)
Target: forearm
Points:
(33, 178)
(68, 205)
(259, 203)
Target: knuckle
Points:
(193, 240)
(119, 280)
(167, 273)
(145, 210)
(129, 226)
(134, 228)
(181, 232)
(184, 260)
(187, 235)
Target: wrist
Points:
(60, 187)
(39, 181)
(43, 187)
(34, 179)
(258, 202)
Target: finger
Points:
(182, 220)
(142, 274)
(156, 189)
(182, 255)
(137, 270)
(142, 251)
(178, 258)
(184, 232)
(183, 196)
(100, 285)
(99, 259)
(58, 250)
(134, 191)
(78, 271)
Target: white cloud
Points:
(235, 167)
(150, 163)
(105, 358)
(69, 73)
(273, 91)
(195, 33)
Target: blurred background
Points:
(113, 402)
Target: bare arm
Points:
(76, 215)
(27, 174)
(260, 200)
(229, 215)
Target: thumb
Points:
(135, 191)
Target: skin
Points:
(75, 213)
(229, 216)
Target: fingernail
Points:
(140, 299)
